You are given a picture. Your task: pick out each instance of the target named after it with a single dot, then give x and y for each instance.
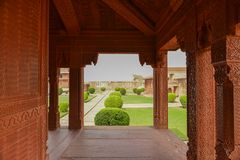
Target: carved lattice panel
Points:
(20, 48)
(22, 135)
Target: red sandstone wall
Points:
(148, 86)
(23, 66)
(205, 93)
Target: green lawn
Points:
(136, 99)
(65, 99)
(144, 117)
(62, 99)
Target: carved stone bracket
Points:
(66, 58)
(221, 72)
(147, 59)
(181, 42)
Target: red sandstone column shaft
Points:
(53, 114)
(160, 82)
(76, 100)
(191, 106)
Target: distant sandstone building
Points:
(64, 78)
(176, 81)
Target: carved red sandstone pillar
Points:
(53, 113)
(191, 107)
(76, 101)
(160, 82)
(205, 105)
(226, 61)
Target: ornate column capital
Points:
(221, 73)
(160, 60)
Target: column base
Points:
(75, 125)
(53, 120)
(159, 125)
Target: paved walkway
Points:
(149, 105)
(89, 117)
(125, 143)
(87, 107)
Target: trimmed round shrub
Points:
(63, 107)
(103, 89)
(135, 90)
(60, 91)
(117, 89)
(183, 100)
(115, 94)
(138, 91)
(123, 91)
(113, 102)
(142, 89)
(112, 117)
(91, 90)
(171, 97)
(86, 94)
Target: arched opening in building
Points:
(117, 73)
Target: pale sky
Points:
(121, 67)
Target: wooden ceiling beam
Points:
(149, 9)
(174, 5)
(132, 17)
(105, 42)
(68, 15)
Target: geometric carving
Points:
(233, 61)
(227, 76)
(23, 45)
(16, 119)
(232, 48)
(24, 48)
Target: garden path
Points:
(88, 107)
(149, 105)
(89, 116)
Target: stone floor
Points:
(116, 143)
